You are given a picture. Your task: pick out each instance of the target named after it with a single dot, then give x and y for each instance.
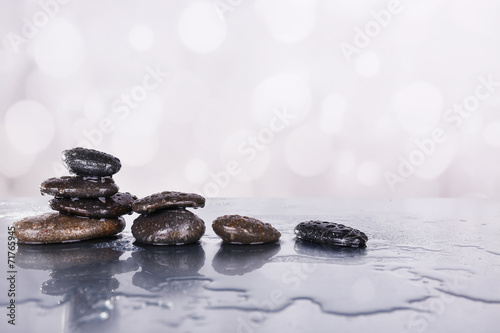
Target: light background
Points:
(232, 64)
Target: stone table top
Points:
(430, 265)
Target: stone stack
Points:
(88, 203)
(164, 219)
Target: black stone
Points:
(330, 233)
(90, 162)
(79, 187)
(168, 227)
(168, 200)
(114, 206)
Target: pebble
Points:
(60, 228)
(90, 162)
(168, 227)
(114, 206)
(330, 233)
(79, 187)
(236, 229)
(168, 200)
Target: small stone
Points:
(236, 229)
(168, 200)
(114, 206)
(90, 162)
(79, 187)
(168, 227)
(60, 228)
(330, 233)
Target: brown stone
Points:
(236, 229)
(60, 228)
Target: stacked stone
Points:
(88, 203)
(164, 219)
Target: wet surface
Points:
(430, 265)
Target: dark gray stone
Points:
(79, 187)
(90, 162)
(114, 206)
(168, 227)
(330, 233)
(168, 200)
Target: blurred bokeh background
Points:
(265, 98)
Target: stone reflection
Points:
(319, 250)
(169, 269)
(83, 274)
(232, 259)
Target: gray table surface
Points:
(431, 265)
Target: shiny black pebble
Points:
(330, 233)
(90, 162)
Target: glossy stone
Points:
(168, 199)
(330, 233)
(90, 162)
(58, 228)
(236, 229)
(168, 227)
(79, 187)
(114, 206)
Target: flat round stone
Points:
(167, 200)
(330, 233)
(113, 206)
(90, 162)
(60, 228)
(168, 227)
(79, 187)
(236, 229)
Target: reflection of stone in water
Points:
(163, 267)
(65, 287)
(234, 259)
(326, 250)
(83, 273)
(60, 256)
(91, 307)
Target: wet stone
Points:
(90, 162)
(168, 227)
(330, 233)
(114, 206)
(236, 229)
(168, 200)
(79, 187)
(60, 228)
